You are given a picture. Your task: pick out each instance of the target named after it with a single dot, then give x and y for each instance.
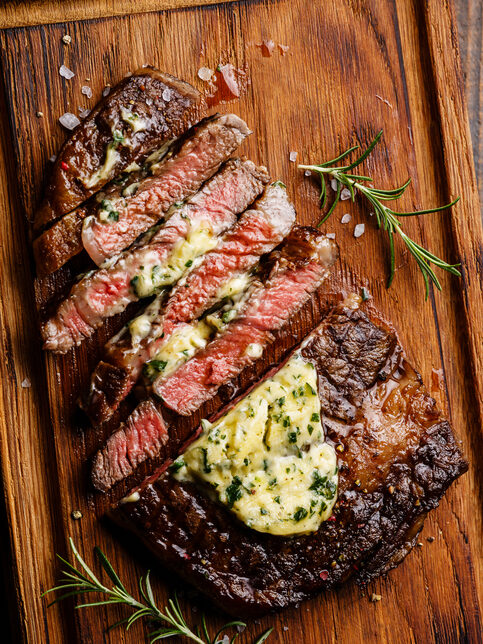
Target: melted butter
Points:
(181, 345)
(266, 459)
(112, 157)
(136, 123)
(234, 286)
(140, 328)
(154, 276)
(190, 338)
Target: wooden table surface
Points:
(469, 15)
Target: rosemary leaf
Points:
(170, 620)
(386, 218)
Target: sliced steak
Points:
(257, 232)
(396, 454)
(158, 184)
(180, 176)
(300, 268)
(139, 114)
(144, 432)
(191, 231)
(291, 275)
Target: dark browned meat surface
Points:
(166, 105)
(397, 456)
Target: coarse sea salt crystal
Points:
(359, 230)
(330, 235)
(293, 156)
(87, 91)
(166, 95)
(345, 218)
(345, 194)
(65, 72)
(106, 90)
(69, 120)
(25, 384)
(83, 112)
(205, 73)
(333, 184)
(53, 158)
(308, 173)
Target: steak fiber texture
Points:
(257, 232)
(292, 273)
(142, 197)
(109, 290)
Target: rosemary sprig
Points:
(387, 218)
(78, 582)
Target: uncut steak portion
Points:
(140, 113)
(291, 274)
(192, 230)
(396, 454)
(169, 175)
(257, 232)
(200, 156)
(302, 265)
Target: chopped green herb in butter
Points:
(267, 459)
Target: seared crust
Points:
(396, 455)
(84, 151)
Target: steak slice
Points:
(300, 268)
(160, 183)
(144, 432)
(396, 454)
(257, 232)
(180, 176)
(292, 274)
(145, 270)
(139, 114)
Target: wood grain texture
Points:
(350, 70)
(469, 14)
(19, 13)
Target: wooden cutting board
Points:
(352, 67)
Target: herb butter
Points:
(188, 339)
(153, 276)
(266, 459)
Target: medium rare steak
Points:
(291, 275)
(139, 114)
(168, 176)
(396, 455)
(192, 230)
(257, 232)
(302, 265)
(180, 176)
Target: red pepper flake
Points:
(253, 491)
(331, 518)
(142, 88)
(360, 525)
(355, 566)
(324, 574)
(186, 555)
(64, 165)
